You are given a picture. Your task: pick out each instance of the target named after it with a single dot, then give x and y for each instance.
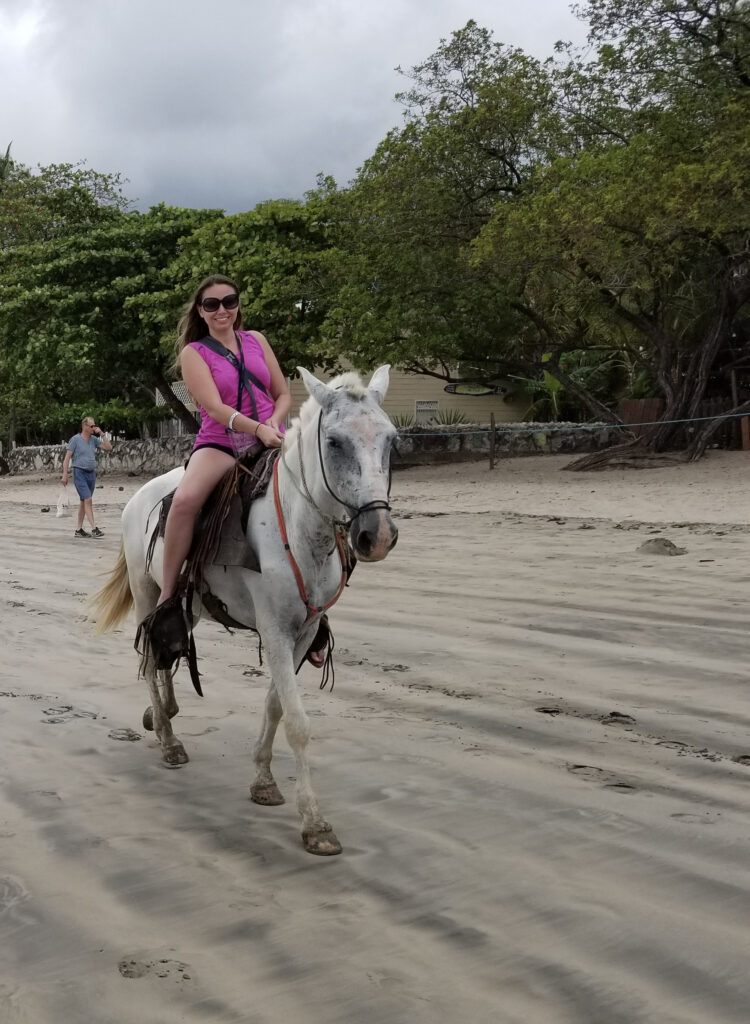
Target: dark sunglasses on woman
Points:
(228, 302)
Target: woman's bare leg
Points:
(206, 467)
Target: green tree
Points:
(398, 281)
(270, 251)
(81, 318)
(34, 207)
(54, 201)
(89, 317)
(639, 240)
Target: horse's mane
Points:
(351, 382)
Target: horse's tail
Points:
(115, 599)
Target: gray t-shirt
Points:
(84, 452)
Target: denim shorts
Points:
(85, 481)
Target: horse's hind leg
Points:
(163, 706)
(169, 701)
(162, 710)
(264, 789)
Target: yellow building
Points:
(422, 397)
(409, 395)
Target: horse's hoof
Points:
(268, 794)
(148, 719)
(176, 754)
(322, 842)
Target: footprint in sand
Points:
(603, 778)
(617, 718)
(12, 892)
(64, 712)
(129, 735)
(56, 715)
(678, 745)
(707, 818)
(163, 968)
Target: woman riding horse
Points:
(243, 398)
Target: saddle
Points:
(220, 536)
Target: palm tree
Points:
(6, 164)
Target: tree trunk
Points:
(12, 426)
(179, 409)
(609, 456)
(595, 407)
(698, 445)
(682, 402)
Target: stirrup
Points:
(321, 641)
(163, 635)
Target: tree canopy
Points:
(581, 224)
(593, 203)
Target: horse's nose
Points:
(373, 535)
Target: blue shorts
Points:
(85, 481)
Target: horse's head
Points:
(354, 442)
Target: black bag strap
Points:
(246, 378)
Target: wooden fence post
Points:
(492, 440)
(745, 431)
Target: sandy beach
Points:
(536, 756)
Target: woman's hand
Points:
(269, 435)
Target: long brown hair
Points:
(192, 326)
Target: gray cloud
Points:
(227, 104)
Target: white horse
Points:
(333, 477)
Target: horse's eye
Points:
(333, 442)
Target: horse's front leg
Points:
(158, 716)
(264, 789)
(317, 835)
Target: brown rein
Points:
(312, 610)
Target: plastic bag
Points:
(63, 504)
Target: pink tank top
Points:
(226, 379)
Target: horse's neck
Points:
(310, 531)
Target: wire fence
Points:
(547, 428)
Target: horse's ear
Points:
(379, 382)
(322, 394)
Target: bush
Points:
(449, 417)
(115, 416)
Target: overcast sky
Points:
(227, 103)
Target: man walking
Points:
(81, 451)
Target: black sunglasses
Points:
(228, 302)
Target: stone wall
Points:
(147, 458)
(424, 445)
(416, 445)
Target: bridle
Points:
(304, 490)
(340, 527)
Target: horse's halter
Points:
(343, 524)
